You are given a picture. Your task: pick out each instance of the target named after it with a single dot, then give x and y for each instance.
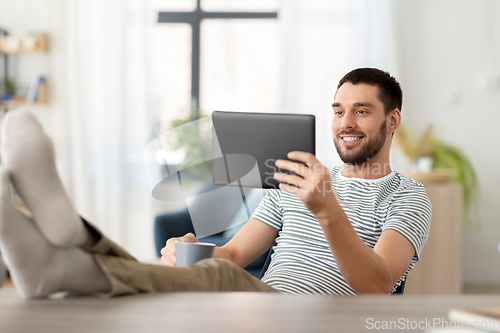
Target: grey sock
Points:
(3, 273)
(37, 267)
(27, 153)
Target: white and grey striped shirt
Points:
(303, 263)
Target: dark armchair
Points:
(221, 205)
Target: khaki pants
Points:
(128, 276)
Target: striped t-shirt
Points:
(302, 262)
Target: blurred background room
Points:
(105, 77)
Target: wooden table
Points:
(224, 312)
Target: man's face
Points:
(359, 124)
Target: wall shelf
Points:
(17, 102)
(15, 46)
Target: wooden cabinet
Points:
(439, 270)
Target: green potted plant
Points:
(447, 161)
(189, 138)
(196, 140)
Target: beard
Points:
(366, 151)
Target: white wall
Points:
(447, 50)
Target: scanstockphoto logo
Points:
(429, 324)
(190, 156)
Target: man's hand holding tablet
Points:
(311, 183)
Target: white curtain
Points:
(102, 104)
(322, 41)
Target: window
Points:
(216, 55)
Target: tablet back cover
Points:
(250, 143)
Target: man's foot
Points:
(27, 153)
(38, 268)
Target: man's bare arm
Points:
(364, 269)
(253, 240)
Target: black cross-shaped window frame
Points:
(194, 18)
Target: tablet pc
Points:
(247, 144)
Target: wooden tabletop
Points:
(224, 312)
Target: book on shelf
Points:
(484, 318)
(36, 91)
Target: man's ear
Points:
(393, 121)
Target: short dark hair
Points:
(390, 93)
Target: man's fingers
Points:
(291, 179)
(171, 244)
(164, 251)
(298, 168)
(168, 252)
(303, 156)
(168, 260)
(188, 238)
(167, 257)
(314, 166)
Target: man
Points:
(358, 228)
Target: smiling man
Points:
(357, 228)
